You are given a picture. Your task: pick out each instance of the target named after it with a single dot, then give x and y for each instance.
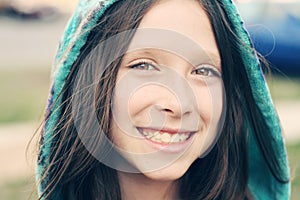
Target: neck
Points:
(138, 186)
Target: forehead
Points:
(186, 17)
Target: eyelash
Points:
(143, 64)
(210, 71)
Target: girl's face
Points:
(168, 99)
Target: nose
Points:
(174, 109)
(177, 101)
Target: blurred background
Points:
(29, 35)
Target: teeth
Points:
(183, 137)
(163, 137)
(156, 136)
(166, 138)
(150, 134)
(175, 138)
(146, 133)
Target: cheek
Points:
(210, 108)
(204, 103)
(142, 101)
(210, 102)
(133, 101)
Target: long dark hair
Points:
(223, 174)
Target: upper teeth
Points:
(165, 137)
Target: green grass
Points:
(19, 189)
(23, 94)
(294, 152)
(284, 88)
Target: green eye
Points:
(206, 71)
(143, 66)
(203, 71)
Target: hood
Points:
(262, 183)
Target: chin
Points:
(165, 174)
(171, 172)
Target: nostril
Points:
(167, 110)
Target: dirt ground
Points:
(14, 139)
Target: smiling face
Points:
(168, 99)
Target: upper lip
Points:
(167, 130)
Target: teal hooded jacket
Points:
(262, 183)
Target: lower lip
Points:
(172, 147)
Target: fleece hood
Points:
(262, 183)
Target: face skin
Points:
(163, 89)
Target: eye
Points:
(144, 66)
(206, 71)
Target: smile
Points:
(165, 137)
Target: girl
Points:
(160, 99)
